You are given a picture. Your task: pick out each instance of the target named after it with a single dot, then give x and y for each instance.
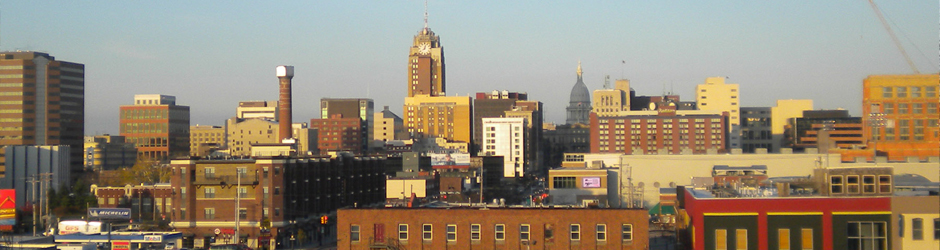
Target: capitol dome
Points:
(579, 104)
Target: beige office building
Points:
(609, 102)
(716, 95)
(448, 117)
(257, 110)
(205, 139)
(388, 126)
(781, 114)
(243, 133)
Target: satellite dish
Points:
(656, 184)
(652, 106)
(672, 184)
(640, 185)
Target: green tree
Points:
(144, 171)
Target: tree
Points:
(144, 171)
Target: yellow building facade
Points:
(448, 117)
(901, 115)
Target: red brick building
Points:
(492, 228)
(664, 131)
(339, 133)
(147, 203)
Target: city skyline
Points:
(211, 57)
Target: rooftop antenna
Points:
(607, 82)
(623, 64)
(425, 14)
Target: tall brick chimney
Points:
(284, 76)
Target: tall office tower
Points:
(579, 105)
(284, 76)
(446, 117)
(509, 104)
(716, 95)
(42, 102)
(610, 102)
(426, 64)
(108, 152)
(158, 127)
(205, 139)
(351, 108)
(388, 126)
(506, 137)
(901, 115)
(257, 110)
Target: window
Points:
(889, 108)
(243, 213)
(242, 192)
(902, 92)
(403, 232)
(354, 233)
(930, 91)
(242, 172)
(451, 232)
(474, 231)
(867, 235)
(917, 229)
(426, 231)
(549, 234)
(741, 237)
(626, 232)
(500, 232)
(806, 236)
(783, 238)
(915, 92)
(851, 184)
(835, 184)
(210, 172)
(884, 183)
(575, 231)
(210, 213)
(601, 232)
(936, 229)
(210, 193)
(721, 239)
(524, 232)
(887, 92)
(564, 182)
(868, 184)
(182, 214)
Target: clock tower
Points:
(426, 64)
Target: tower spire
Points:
(579, 68)
(425, 14)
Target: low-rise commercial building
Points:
(492, 228)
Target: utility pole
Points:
(33, 181)
(238, 206)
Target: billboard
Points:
(79, 226)
(7, 209)
(110, 213)
(450, 159)
(591, 182)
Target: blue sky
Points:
(213, 54)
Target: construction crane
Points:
(893, 36)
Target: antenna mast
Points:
(607, 82)
(425, 14)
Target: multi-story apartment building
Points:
(492, 228)
(158, 127)
(108, 152)
(447, 117)
(42, 102)
(352, 108)
(274, 198)
(340, 134)
(507, 137)
(901, 113)
(257, 110)
(716, 95)
(663, 131)
(388, 126)
(205, 139)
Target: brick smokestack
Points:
(284, 76)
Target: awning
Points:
(659, 209)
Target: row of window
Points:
(909, 108)
(902, 92)
(499, 232)
(917, 228)
(849, 184)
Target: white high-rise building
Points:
(506, 137)
(716, 95)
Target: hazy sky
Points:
(213, 54)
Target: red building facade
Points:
(663, 131)
(339, 133)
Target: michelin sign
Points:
(110, 213)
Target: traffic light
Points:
(324, 219)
